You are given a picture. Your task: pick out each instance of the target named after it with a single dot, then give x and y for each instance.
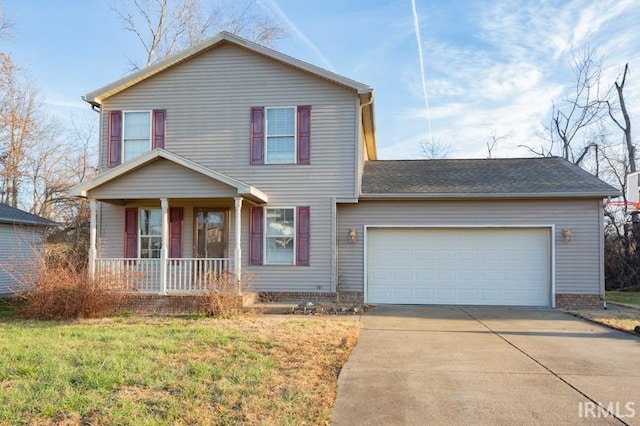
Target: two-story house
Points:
(232, 156)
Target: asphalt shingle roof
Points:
(10, 215)
(511, 176)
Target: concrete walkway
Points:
(453, 365)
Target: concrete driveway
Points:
(468, 365)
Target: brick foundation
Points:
(155, 303)
(315, 297)
(579, 301)
(165, 305)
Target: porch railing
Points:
(184, 275)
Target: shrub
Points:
(224, 298)
(56, 287)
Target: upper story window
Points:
(281, 136)
(132, 133)
(136, 137)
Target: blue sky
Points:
(489, 66)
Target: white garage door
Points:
(466, 266)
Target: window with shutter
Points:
(304, 134)
(130, 232)
(255, 237)
(159, 117)
(280, 135)
(303, 236)
(257, 136)
(115, 138)
(176, 216)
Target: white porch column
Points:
(92, 238)
(164, 251)
(237, 252)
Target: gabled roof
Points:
(488, 178)
(96, 97)
(9, 214)
(83, 189)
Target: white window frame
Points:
(294, 236)
(124, 126)
(295, 133)
(149, 236)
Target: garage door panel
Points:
(424, 274)
(475, 266)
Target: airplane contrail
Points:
(272, 7)
(416, 26)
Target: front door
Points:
(211, 233)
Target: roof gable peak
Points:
(97, 96)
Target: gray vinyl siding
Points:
(316, 277)
(207, 101)
(313, 278)
(163, 178)
(578, 263)
(19, 248)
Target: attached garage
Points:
(508, 266)
(495, 232)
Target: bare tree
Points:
(580, 109)
(492, 143)
(433, 149)
(19, 128)
(626, 128)
(6, 25)
(166, 26)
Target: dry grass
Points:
(258, 370)
(620, 319)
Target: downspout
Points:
(360, 143)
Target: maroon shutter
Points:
(130, 232)
(256, 235)
(115, 137)
(303, 236)
(159, 116)
(257, 135)
(176, 215)
(304, 134)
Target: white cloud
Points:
(502, 72)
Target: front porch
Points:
(182, 224)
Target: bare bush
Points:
(57, 287)
(224, 298)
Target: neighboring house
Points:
(22, 236)
(232, 156)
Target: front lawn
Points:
(627, 297)
(265, 369)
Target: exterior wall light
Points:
(567, 234)
(352, 235)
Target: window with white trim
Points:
(280, 233)
(280, 135)
(137, 133)
(150, 233)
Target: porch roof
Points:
(193, 177)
